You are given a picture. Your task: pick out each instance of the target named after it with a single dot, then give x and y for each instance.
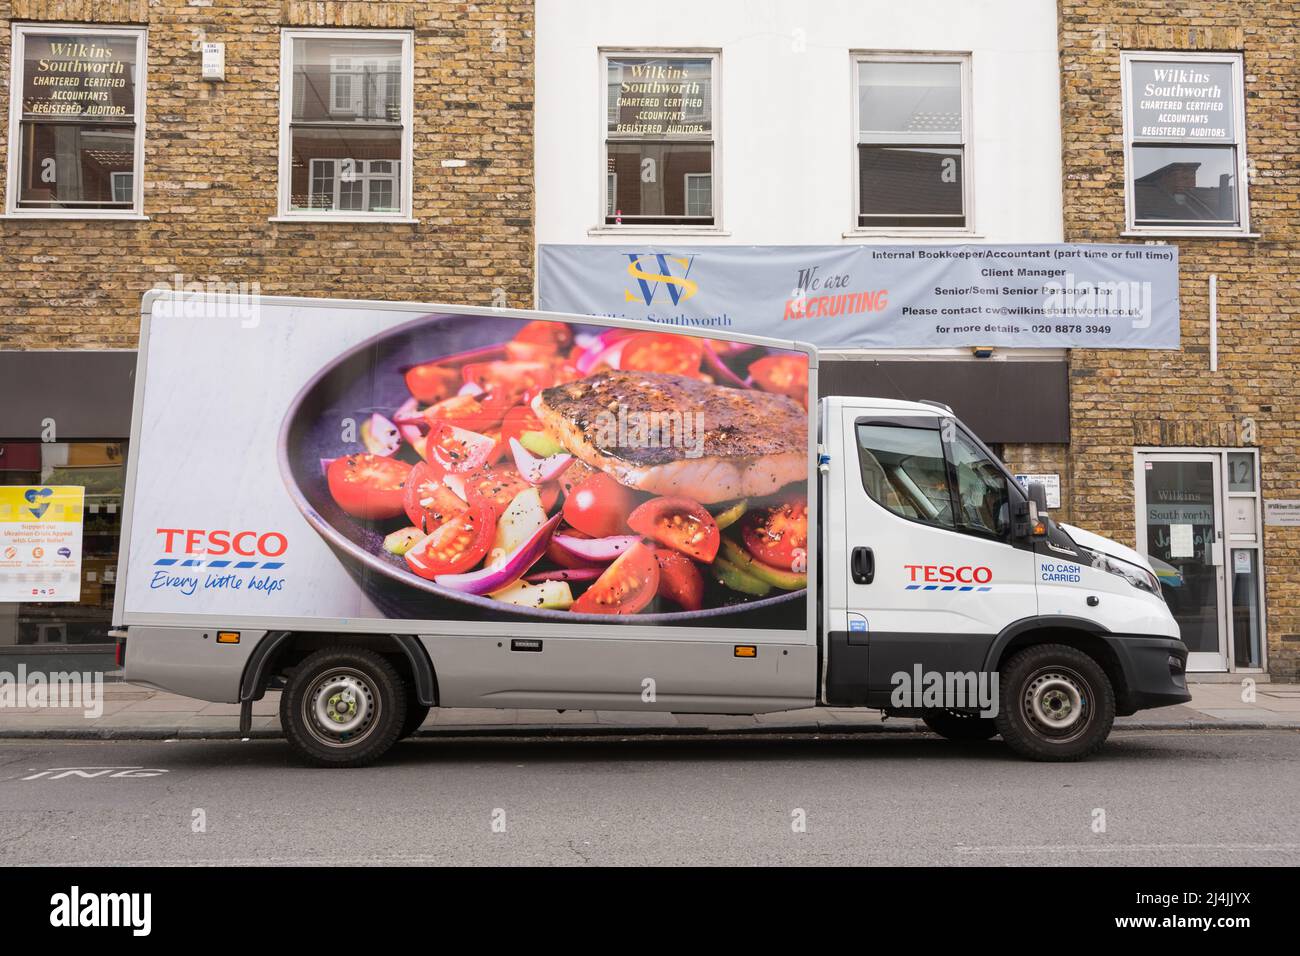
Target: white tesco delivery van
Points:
(379, 508)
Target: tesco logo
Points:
(248, 544)
(949, 574)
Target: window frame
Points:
(938, 424)
(604, 54)
(285, 210)
(18, 51)
(686, 187)
(1237, 63)
(965, 142)
(929, 423)
(364, 178)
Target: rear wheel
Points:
(959, 725)
(343, 707)
(1056, 703)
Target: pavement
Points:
(134, 712)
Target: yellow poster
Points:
(40, 542)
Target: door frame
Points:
(1219, 456)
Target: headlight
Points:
(1140, 578)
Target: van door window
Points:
(982, 502)
(903, 469)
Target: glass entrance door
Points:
(1180, 508)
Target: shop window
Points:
(346, 124)
(913, 165)
(100, 469)
(1184, 142)
(76, 121)
(660, 136)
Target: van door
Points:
(932, 573)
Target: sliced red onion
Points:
(405, 418)
(505, 571)
(715, 363)
(566, 574)
(380, 436)
(536, 470)
(596, 549)
(325, 465)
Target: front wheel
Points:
(1055, 703)
(343, 707)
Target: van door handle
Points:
(862, 565)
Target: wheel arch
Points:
(280, 651)
(1082, 634)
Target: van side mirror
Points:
(1037, 493)
(1031, 511)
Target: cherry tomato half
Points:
(457, 450)
(457, 545)
(679, 522)
(599, 506)
(539, 340)
(513, 378)
(518, 420)
(428, 502)
(432, 382)
(574, 475)
(661, 352)
(680, 580)
(497, 485)
(778, 535)
(368, 486)
(783, 374)
(627, 585)
(464, 411)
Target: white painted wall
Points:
(786, 141)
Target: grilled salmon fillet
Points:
(673, 435)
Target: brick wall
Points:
(211, 170)
(1125, 399)
(1043, 460)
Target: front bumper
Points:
(1154, 669)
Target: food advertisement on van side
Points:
(359, 462)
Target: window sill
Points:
(1184, 234)
(658, 231)
(911, 234)
(76, 217)
(405, 220)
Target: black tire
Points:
(960, 725)
(376, 719)
(415, 715)
(1055, 703)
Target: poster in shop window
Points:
(40, 543)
